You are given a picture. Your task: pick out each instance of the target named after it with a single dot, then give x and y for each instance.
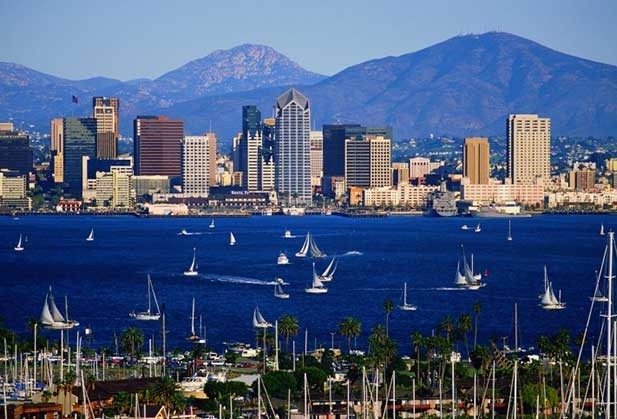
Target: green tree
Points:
(350, 328)
(464, 326)
(418, 341)
(532, 391)
(166, 392)
(288, 326)
(477, 308)
(381, 348)
(131, 340)
(121, 403)
(446, 326)
(388, 306)
(315, 376)
(277, 383)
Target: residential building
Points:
(528, 148)
(316, 157)
(368, 162)
(15, 152)
(583, 176)
(196, 165)
(476, 160)
(293, 148)
(157, 145)
(79, 141)
(57, 150)
(106, 111)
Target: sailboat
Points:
(406, 306)
(278, 291)
(477, 229)
(232, 239)
(183, 232)
(192, 271)
(316, 285)
(90, 237)
(259, 321)
(467, 279)
(148, 315)
(549, 301)
(288, 235)
(51, 318)
(602, 229)
(19, 246)
(193, 337)
(509, 230)
(282, 259)
(476, 277)
(309, 245)
(212, 223)
(464, 227)
(328, 274)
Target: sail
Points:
(232, 239)
(55, 313)
(468, 273)
(316, 282)
(405, 294)
(193, 318)
(329, 272)
(151, 292)
(554, 299)
(278, 289)
(315, 252)
(305, 246)
(46, 317)
(91, 235)
(19, 242)
(547, 300)
(193, 266)
(459, 279)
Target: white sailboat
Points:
(317, 286)
(476, 277)
(282, 259)
(549, 301)
(509, 230)
(305, 246)
(600, 295)
(212, 223)
(406, 306)
(278, 291)
(259, 321)
(192, 271)
(232, 239)
(20, 246)
(90, 237)
(328, 274)
(194, 337)
(51, 318)
(467, 279)
(477, 229)
(183, 232)
(148, 315)
(602, 229)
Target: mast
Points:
(193, 319)
(609, 337)
(515, 356)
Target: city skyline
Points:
(318, 51)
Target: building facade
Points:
(368, 162)
(195, 165)
(293, 148)
(419, 167)
(316, 158)
(157, 146)
(106, 111)
(528, 148)
(79, 142)
(476, 156)
(56, 147)
(15, 152)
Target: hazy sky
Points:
(129, 39)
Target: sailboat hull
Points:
(190, 273)
(144, 316)
(315, 290)
(553, 306)
(408, 307)
(61, 325)
(282, 296)
(18, 249)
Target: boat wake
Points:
(447, 289)
(352, 253)
(239, 280)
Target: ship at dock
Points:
(508, 209)
(442, 203)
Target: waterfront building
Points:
(92, 169)
(420, 167)
(115, 189)
(500, 193)
(582, 177)
(368, 162)
(79, 141)
(293, 148)
(151, 184)
(196, 165)
(106, 111)
(56, 147)
(528, 148)
(400, 173)
(15, 152)
(212, 153)
(476, 160)
(157, 145)
(13, 191)
(316, 158)
(596, 199)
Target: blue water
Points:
(106, 279)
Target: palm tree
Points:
(381, 348)
(447, 326)
(477, 308)
(349, 327)
(131, 339)
(388, 306)
(418, 342)
(166, 392)
(464, 326)
(288, 326)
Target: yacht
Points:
(282, 259)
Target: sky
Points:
(129, 39)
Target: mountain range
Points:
(466, 85)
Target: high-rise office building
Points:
(293, 147)
(79, 142)
(266, 161)
(106, 111)
(368, 162)
(252, 157)
(528, 148)
(212, 150)
(56, 147)
(195, 165)
(15, 152)
(157, 145)
(251, 128)
(316, 157)
(476, 160)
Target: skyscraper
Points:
(368, 162)
(476, 160)
(195, 165)
(293, 147)
(316, 157)
(79, 142)
(157, 145)
(251, 129)
(105, 110)
(212, 150)
(528, 148)
(15, 152)
(267, 164)
(57, 151)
